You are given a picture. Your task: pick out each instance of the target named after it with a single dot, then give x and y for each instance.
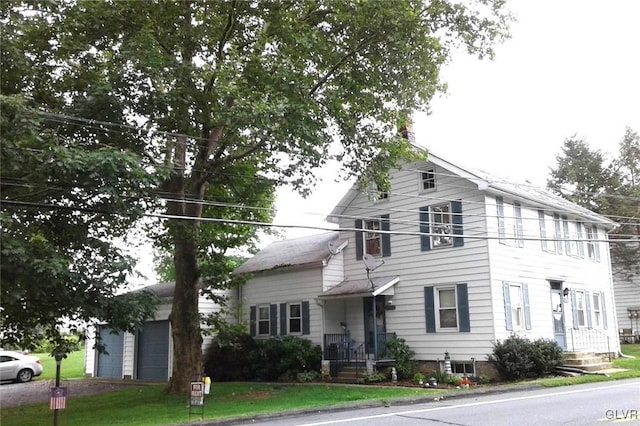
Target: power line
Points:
(313, 227)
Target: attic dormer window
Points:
(427, 180)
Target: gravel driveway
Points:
(12, 394)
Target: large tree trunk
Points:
(184, 317)
(185, 321)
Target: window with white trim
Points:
(517, 310)
(264, 320)
(510, 228)
(591, 244)
(372, 238)
(427, 180)
(597, 309)
(441, 225)
(580, 307)
(447, 308)
(295, 318)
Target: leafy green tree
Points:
(61, 208)
(611, 188)
(229, 88)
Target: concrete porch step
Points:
(587, 361)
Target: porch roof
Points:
(361, 288)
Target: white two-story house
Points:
(450, 260)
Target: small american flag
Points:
(58, 398)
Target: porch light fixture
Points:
(565, 292)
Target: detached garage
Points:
(110, 363)
(146, 354)
(153, 351)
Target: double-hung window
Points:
(597, 309)
(264, 320)
(593, 251)
(510, 228)
(441, 226)
(427, 180)
(580, 309)
(516, 306)
(447, 308)
(373, 237)
(295, 318)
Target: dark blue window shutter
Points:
(385, 225)
(425, 240)
(273, 320)
(306, 326)
(252, 321)
(574, 308)
(463, 308)
(358, 239)
(527, 308)
(501, 229)
(429, 309)
(456, 210)
(283, 319)
(507, 305)
(603, 309)
(587, 306)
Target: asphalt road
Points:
(591, 404)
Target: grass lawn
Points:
(72, 367)
(149, 405)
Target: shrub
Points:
(283, 358)
(518, 358)
(419, 378)
(546, 357)
(398, 350)
(375, 378)
(230, 356)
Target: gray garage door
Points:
(110, 365)
(153, 351)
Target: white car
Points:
(18, 367)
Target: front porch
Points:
(345, 354)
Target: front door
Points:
(557, 310)
(380, 325)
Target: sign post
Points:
(196, 399)
(58, 395)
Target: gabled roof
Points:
(310, 250)
(533, 195)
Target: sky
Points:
(570, 68)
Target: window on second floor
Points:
(593, 250)
(510, 228)
(372, 237)
(441, 226)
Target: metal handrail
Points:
(590, 339)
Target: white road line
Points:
(470, 404)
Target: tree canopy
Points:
(608, 187)
(205, 91)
